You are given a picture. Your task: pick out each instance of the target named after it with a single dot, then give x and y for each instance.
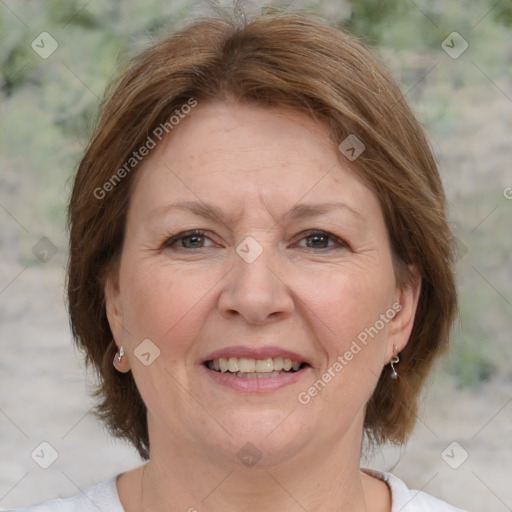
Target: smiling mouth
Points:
(248, 368)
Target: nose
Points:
(256, 291)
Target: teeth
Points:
(245, 365)
(279, 363)
(233, 364)
(264, 365)
(223, 365)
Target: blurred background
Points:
(454, 62)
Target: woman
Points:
(260, 271)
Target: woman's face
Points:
(249, 242)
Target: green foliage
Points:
(502, 12)
(471, 367)
(370, 17)
(470, 363)
(15, 56)
(71, 12)
(480, 345)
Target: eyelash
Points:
(170, 243)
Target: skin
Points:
(255, 164)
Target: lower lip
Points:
(257, 384)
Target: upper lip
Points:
(255, 353)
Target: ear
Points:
(116, 320)
(401, 325)
(114, 308)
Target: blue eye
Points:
(189, 240)
(321, 240)
(196, 239)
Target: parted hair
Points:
(290, 59)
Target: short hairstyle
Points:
(288, 59)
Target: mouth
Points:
(249, 368)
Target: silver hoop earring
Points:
(394, 360)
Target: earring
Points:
(120, 354)
(394, 360)
(120, 364)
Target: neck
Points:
(315, 480)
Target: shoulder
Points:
(408, 500)
(102, 496)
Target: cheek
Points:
(342, 318)
(163, 303)
(347, 311)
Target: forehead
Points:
(241, 156)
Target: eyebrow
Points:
(314, 210)
(207, 211)
(299, 211)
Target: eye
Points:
(195, 239)
(322, 240)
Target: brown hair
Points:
(284, 59)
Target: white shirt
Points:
(104, 497)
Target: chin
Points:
(265, 438)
